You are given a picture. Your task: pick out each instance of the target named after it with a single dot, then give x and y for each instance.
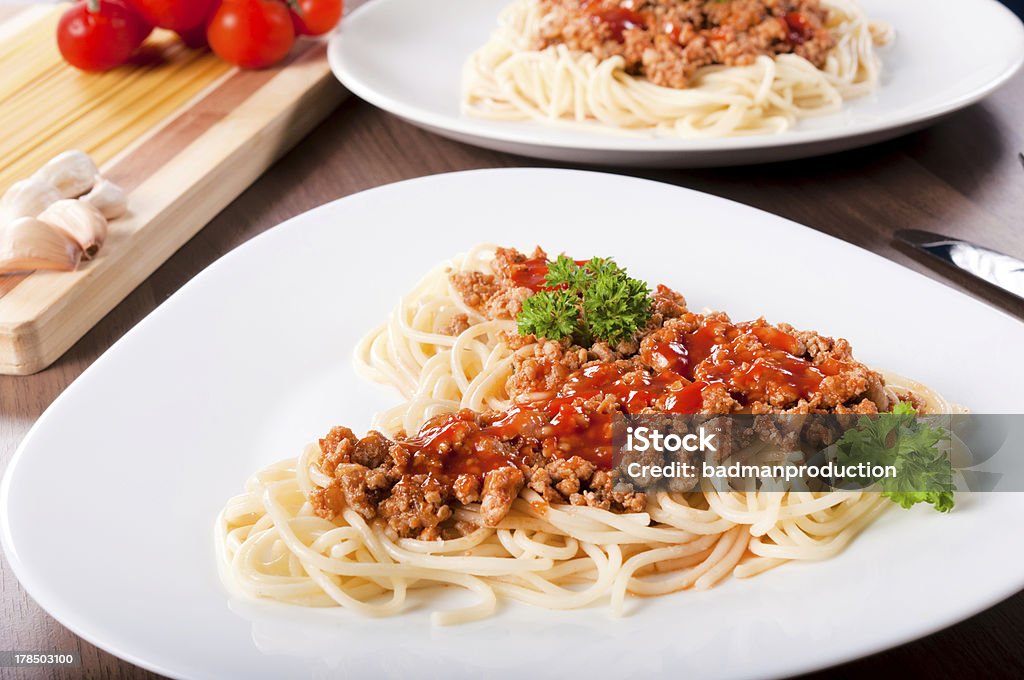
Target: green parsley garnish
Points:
(900, 439)
(596, 301)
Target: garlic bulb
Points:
(79, 220)
(26, 198)
(72, 173)
(108, 198)
(45, 225)
(27, 244)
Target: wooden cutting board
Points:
(182, 132)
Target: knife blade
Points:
(991, 266)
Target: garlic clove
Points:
(27, 198)
(79, 220)
(27, 244)
(72, 173)
(108, 198)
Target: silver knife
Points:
(988, 265)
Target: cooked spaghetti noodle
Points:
(274, 545)
(510, 79)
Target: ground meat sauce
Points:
(557, 438)
(666, 41)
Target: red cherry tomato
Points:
(177, 15)
(96, 35)
(316, 17)
(251, 33)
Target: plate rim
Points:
(45, 598)
(516, 134)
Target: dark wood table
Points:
(963, 177)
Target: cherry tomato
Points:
(251, 33)
(316, 17)
(177, 15)
(96, 35)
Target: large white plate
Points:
(108, 506)
(406, 57)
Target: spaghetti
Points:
(556, 556)
(510, 79)
(49, 107)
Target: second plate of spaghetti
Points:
(675, 82)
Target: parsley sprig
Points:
(595, 301)
(904, 441)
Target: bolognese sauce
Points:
(556, 438)
(666, 41)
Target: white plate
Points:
(406, 57)
(108, 506)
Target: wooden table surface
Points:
(963, 177)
